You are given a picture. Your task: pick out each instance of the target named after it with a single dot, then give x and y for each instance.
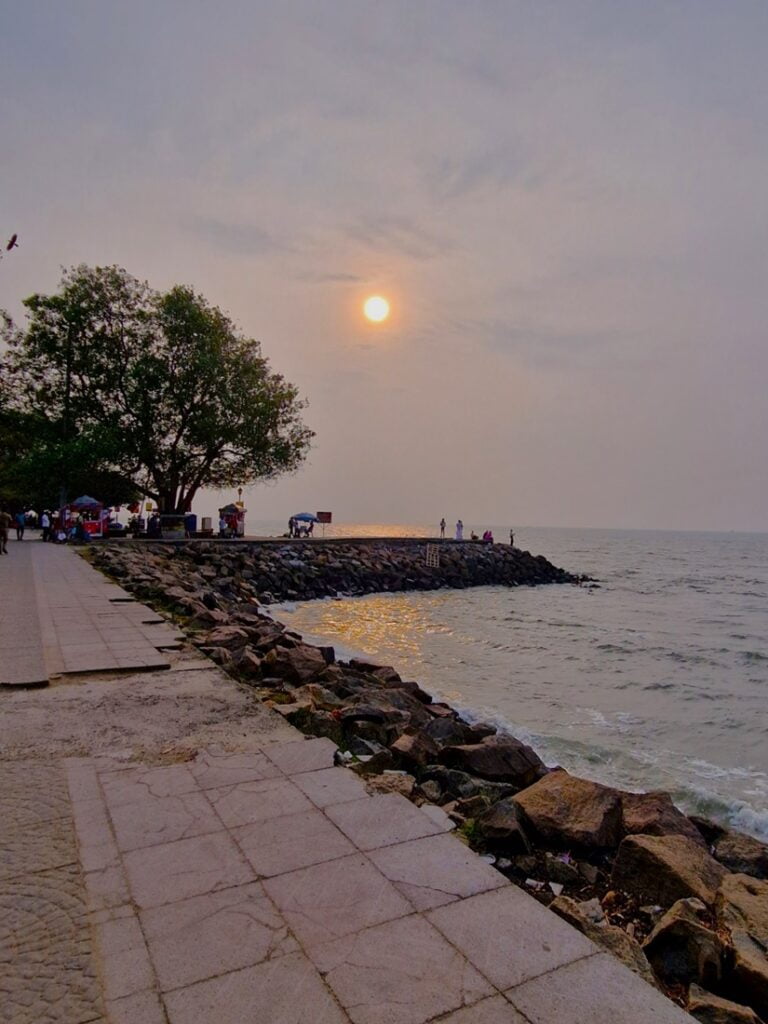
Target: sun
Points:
(376, 308)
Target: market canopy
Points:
(85, 501)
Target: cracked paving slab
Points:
(436, 870)
(287, 990)
(205, 936)
(401, 972)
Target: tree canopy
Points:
(146, 392)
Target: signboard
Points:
(324, 517)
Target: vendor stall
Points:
(233, 518)
(90, 512)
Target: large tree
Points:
(159, 391)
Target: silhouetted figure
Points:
(5, 523)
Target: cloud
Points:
(401, 235)
(326, 277)
(498, 167)
(549, 347)
(239, 237)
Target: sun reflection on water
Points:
(379, 622)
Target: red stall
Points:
(91, 513)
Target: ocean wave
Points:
(734, 813)
(752, 656)
(688, 658)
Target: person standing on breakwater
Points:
(511, 538)
(459, 530)
(442, 528)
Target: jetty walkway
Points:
(175, 853)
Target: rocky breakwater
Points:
(304, 570)
(682, 901)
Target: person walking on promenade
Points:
(442, 528)
(45, 523)
(5, 522)
(459, 530)
(21, 522)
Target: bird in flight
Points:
(12, 243)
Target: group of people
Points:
(298, 529)
(52, 528)
(487, 537)
(227, 525)
(20, 520)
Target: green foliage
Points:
(156, 393)
(469, 830)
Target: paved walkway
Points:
(60, 617)
(237, 876)
(21, 644)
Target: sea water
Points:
(658, 679)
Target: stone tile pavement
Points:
(269, 887)
(21, 647)
(59, 616)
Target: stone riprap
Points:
(624, 861)
(275, 571)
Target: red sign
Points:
(324, 517)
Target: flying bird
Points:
(12, 243)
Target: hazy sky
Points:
(566, 203)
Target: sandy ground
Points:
(151, 716)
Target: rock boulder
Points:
(503, 823)
(415, 748)
(683, 949)
(230, 637)
(664, 869)
(458, 785)
(710, 1009)
(742, 907)
(497, 758)
(654, 814)
(385, 673)
(296, 665)
(742, 854)
(567, 811)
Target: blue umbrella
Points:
(306, 517)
